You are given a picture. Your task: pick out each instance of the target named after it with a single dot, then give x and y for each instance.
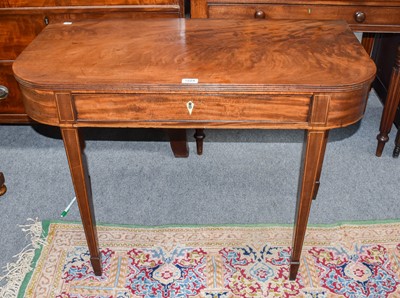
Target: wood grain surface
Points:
(263, 56)
(39, 3)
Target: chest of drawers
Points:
(362, 15)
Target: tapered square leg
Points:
(313, 155)
(74, 147)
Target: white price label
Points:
(190, 81)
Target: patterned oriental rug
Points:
(347, 260)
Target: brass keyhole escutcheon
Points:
(190, 107)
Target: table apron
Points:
(194, 110)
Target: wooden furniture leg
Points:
(199, 136)
(391, 104)
(396, 150)
(178, 142)
(367, 42)
(313, 155)
(3, 188)
(74, 147)
(318, 177)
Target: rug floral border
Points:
(47, 223)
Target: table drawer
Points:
(164, 108)
(353, 14)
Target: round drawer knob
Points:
(359, 16)
(3, 92)
(259, 14)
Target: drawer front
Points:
(39, 3)
(357, 14)
(11, 103)
(187, 107)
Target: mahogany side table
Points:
(177, 73)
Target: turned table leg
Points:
(199, 136)
(313, 155)
(3, 188)
(74, 147)
(391, 104)
(396, 150)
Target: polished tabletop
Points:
(256, 55)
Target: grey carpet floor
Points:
(243, 177)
